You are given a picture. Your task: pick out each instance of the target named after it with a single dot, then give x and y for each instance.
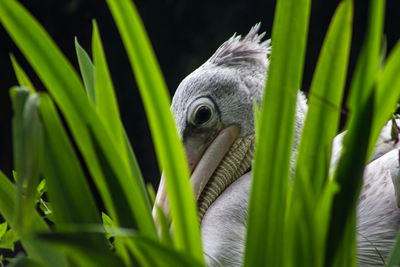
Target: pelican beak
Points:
(202, 170)
(202, 164)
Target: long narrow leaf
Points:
(27, 143)
(109, 167)
(81, 252)
(26, 148)
(368, 63)
(357, 144)
(394, 259)
(306, 245)
(37, 250)
(87, 70)
(166, 256)
(106, 102)
(24, 262)
(22, 77)
(325, 98)
(271, 167)
(349, 177)
(107, 105)
(168, 147)
(68, 190)
(388, 90)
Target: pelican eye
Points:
(203, 114)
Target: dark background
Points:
(183, 33)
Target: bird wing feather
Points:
(224, 225)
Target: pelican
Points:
(213, 111)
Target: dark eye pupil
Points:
(203, 114)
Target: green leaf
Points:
(7, 199)
(41, 188)
(349, 177)
(168, 147)
(87, 70)
(109, 167)
(366, 71)
(18, 98)
(22, 78)
(394, 258)
(68, 190)
(359, 141)
(8, 240)
(22, 261)
(81, 252)
(3, 229)
(322, 217)
(165, 234)
(36, 249)
(152, 194)
(306, 246)
(166, 255)
(388, 90)
(137, 174)
(324, 101)
(107, 109)
(272, 155)
(26, 144)
(347, 253)
(106, 105)
(107, 222)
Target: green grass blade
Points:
(68, 190)
(106, 102)
(87, 70)
(3, 229)
(324, 100)
(35, 249)
(22, 78)
(7, 199)
(304, 243)
(80, 251)
(347, 253)
(67, 186)
(27, 137)
(166, 255)
(8, 205)
(137, 174)
(322, 217)
(19, 97)
(265, 229)
(107, 109)
(394, 258)
(26, 147)
(388, 93)
(165, 234)
(24, 262)
(357, 144)
(368, 63)
(108, 166)
(388, 90)
(349, 177)
(168, 147)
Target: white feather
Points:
(378, 218)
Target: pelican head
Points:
(213, 111)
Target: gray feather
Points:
(233, 78)
(240, 51)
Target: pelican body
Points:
(213, 110)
